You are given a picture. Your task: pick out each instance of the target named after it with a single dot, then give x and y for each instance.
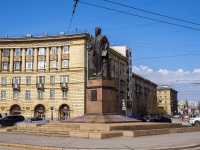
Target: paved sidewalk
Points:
(166, 141)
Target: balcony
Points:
(64, 85)
(15, 86)
(40, 85)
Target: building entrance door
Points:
(39, 111)
(15, 109)
(64, 111)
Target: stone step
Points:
(40, 133)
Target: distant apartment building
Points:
(47, 76)
(167, 99)
(127, 52)
(144, 96)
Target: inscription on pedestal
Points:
(93, 95)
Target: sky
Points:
(163, 34)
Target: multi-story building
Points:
(167, 99)
(144, 96)
(47, 76)
(125, 51)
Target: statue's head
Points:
(97, 31)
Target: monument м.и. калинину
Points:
(101, 98)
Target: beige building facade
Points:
(144, 96)
(167, 99)
(47, 76)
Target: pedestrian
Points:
(182, 117)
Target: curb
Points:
(31, 147)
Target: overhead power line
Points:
(75, 3)
(151, 12)
(140, 16)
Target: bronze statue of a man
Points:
(99, 44)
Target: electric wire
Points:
(151, 12)
(75, 3)
(140, 16)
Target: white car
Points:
(194, 121)
(32, 120)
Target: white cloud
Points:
(197, 70)
(179, 80)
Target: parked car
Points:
(32, 120)
(10, 120)
(194, 121)
(160, 119)
(176, 116)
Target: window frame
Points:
(54, 50)
(52, 94)
(17, 52)
(65, 49)
(15, 94)
(64, 93)
(3, 79)
(29, 65)
(41, 64)
(3, 94)
(5, 64)
(40, 94)
(6, 52)
(53, 64)
(28, 51)
(41, 51)
(28, 80)
(65, 64)
(28, 94)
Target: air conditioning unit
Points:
(16, 85)
(40, 85)
(64, 84)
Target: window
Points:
(40, 94)
(6, 52)
(28, 80)
(4, 80)
(53, 63)
(54, 50)
(5, 66)
(28, 94)
(41, 64)
(66, 50)
(17, 65)
(16, 92)
(52, 79)
(40, 79)
(16, 80)
(29, 65)
(64, 93)
(64, 79)
(65, 63)
(41, 51)
(17, 52)
(52, 93)
(29, 52)
(3, 94)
